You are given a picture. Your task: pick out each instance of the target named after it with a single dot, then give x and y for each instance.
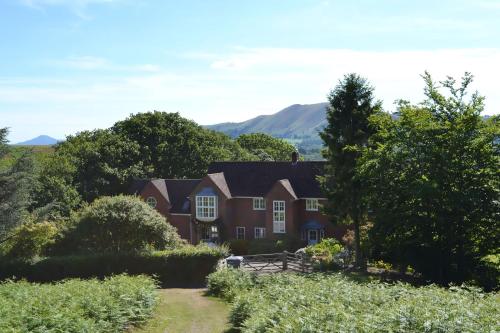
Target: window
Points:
(240, 232)
(279, 217)
(206, 208)
(260, 233)
(312, 204)
(259, 204)
(151, 201)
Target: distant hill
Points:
(42, 140)
(295, 121)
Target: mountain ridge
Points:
(41, 140)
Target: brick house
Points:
(244, 200)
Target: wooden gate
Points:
(277, 262)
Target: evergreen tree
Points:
(15, 188)
(345, 136)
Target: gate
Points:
(277, 262)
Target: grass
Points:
(187, 310)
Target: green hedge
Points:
(184, 267)
(76, 306)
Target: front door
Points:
(312, 236)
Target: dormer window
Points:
(312, 205)
(151, 201)
(206, 208)
(259, 204)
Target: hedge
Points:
(184, 267)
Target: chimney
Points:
(295, 157)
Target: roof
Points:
(179, 190)
(220, 181)
(175, 191)
(256, 179)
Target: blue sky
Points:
(71, 65)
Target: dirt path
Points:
(188, 310)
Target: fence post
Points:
(285, 260)
(303, 262)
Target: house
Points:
(244, 200)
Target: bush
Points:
(30, 240)
(325, 253)
(184, 267)
(112, 305)
(287, 302)
(121, 224)
(226, 283)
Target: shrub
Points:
(112, 305)
(30, 240)
(184, 267)
(380, 264)
(226, 283)
(122, 224)
(324, 253)
(333, 303)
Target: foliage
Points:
(75, 306)
(175, 147)
(30, 240)
(187, 266)
(433, 180)
(333, 303)
(266, 147)
(121, 224)
(345, 136)
(326, 253)
(15, 189)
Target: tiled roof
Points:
(220, 181)
(179, 190)
(255, 179)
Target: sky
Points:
(73, 65)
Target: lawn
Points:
(187, 310)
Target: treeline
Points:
(104, 162)
(422, 189)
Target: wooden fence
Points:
(277, 262)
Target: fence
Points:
(277, 262)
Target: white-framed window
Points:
(312, 205)
(151, 201)
(240, 232)
(259, 204)
(279, 217)
(206, 208)
(260, 233)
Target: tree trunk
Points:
(359, 262)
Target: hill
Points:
(295, 121)
(42, 140)
(299, 124)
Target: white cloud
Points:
(78, 7)
(234, 86)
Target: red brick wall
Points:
(163, 206)
(181, 222)
(242, 214)
(278, 192)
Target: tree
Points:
(121, 224)
(345, 136)
(15, 188)
(433, 180)
(174, 147)
(95, 163)
(266, 147)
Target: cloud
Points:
(233, 86)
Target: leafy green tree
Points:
(15, 188)
(345, 136)
(174, 147)
(266, 147)
(121, 224)
(99, 162)
(433, 179)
